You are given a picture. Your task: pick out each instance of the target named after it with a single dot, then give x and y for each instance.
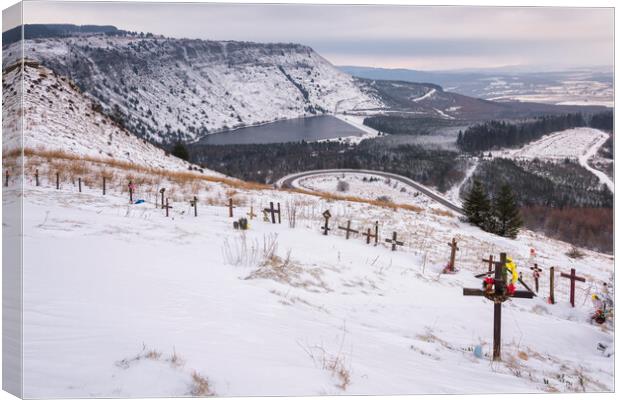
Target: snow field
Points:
(105, 280)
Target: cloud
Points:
(389, 34)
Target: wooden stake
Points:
(57, 180)
(536, 272)
(162, 191)
(80, 185)
(130, 186)
(104, 185)
(36, 177)
(327, 215)
(194, 203)
(551, 285)
(230, 207)
(453, 249)
(6, 180)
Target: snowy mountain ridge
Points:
(166, 90)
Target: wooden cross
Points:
(369, 235)
(251, 213)
(394, 241)
(36, 177)
(573, 277)
(265, 215)
(104, 185)
(536, 272)
(348, 229)
(497, 293)
(162, 190)
(453, 249)
(327, 215)
(194, 203)
(57, 180)
(80, 185)
(167, 206)
(230, 207)
(273, 212)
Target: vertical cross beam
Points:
(273, 212)
(162, 191)
(194, 203)
(6, 179)
(104, 185)
(279, 218)
(376, 233)
(551, 285)
(497, 308)
(573, 277)
(536, 272)
(230, 208)
(80, 185)
(57, 180)
(167, 207)
(36, 177)
(327, 215)
(453, 250)
(130, 192)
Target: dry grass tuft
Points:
(200, 386)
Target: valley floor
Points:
(121, 301)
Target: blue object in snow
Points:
(478, 351)
(139, 202)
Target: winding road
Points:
(290, 181)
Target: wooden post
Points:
(453, 249)
(327, 215)
(348, 229)
(279, 218)
(272, 211)
(162, 191)
(104, 185)
(230, 207)
(57, 180)
(36, 177)
(551, 284)
(573, 277)
(194, 203)
(394, 241)
(130, 192)
(6, 179)
(80, 185)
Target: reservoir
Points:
(291, 130)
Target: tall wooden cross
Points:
(194, 203)
(167, 207)
(36, 177)
(497, 293)
(347, 229)
(230, 207)
(536, 272)
(251, 213)
(370, 235)
(573, 277)
(327, 215)
(453, 249)
(394, 241)
(162, 191)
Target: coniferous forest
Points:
(497, 134)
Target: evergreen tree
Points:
(477, 206)
(179, 150)
(506, 212)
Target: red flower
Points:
(489, 281)
(510, 289)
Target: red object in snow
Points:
(510, 289)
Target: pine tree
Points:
(477, 206)
(506, 212)
(179, 150)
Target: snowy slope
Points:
(57, 117)
(105, 283)
(171, 89)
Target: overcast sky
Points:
(415, 37)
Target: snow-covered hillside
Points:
(58, 117)
(170, 89)
(147, 305)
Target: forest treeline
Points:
(401, 125)
(562, 200)
(266, 163)
(497, 134)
